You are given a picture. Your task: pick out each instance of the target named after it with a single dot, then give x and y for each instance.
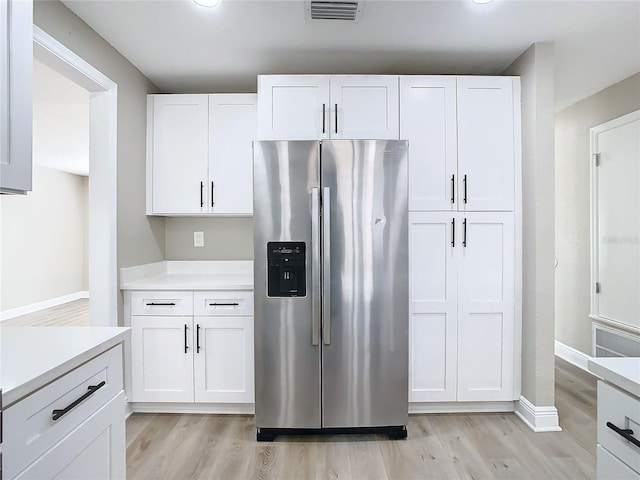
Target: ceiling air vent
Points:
(330, 10)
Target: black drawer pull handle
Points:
(235, 304)
(172, 304)
(57, 414)
(624, 432)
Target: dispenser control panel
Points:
(286, 269)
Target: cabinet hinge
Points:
(596, 158)
(597, 287)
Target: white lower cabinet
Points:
(94, 450)
(462, 281)
(207, 358)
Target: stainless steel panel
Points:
(287, 365)
(365, 367)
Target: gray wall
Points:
(42, 239)
(224, 239)
(573, 326)
(536, 69)
(140, 238)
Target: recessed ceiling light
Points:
(208, 3)
(482, 1)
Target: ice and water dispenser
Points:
(286, 269)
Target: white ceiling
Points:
(182, 47)
(60, 122)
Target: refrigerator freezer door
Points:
(365, 363)
(287, 363)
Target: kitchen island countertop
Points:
(623, 372)
(32, 357)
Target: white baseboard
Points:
(573, 356)
(219, 408)
(34, 307)
(460, 407)
(538, 419)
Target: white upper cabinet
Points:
(199, 154)
(293, 107)
(16, 105)
(232, 130)
(486, 143)
(308, 107)
(179, 147)
(463, 134)
(364, 107)
(428, 121)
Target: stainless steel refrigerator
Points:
(331, 287)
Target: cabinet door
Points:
(162, 359)
(179, 150)
(233, 128)
(433, 309)
(486, 308)
(293, 107)
(428, 122)
(16, 104)
(364, 107)
(95, 450)
(486, 143)
(224, 359)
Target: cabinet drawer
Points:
(609, 467)
(623, 411)
(30, 421)
(162, 303)
(223, 303)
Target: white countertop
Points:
(621, 372)
(189, 275)
(32, 357)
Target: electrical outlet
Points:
(198, 239)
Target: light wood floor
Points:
(478, 446)
(72, 314)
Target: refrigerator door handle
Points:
(326, 265)
(315, 266)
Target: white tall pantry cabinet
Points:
(464, 166)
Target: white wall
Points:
(573, 326)
(42, 240)
(536, 69)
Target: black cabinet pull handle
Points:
(212, 202)
(453, 232)
(336, 118)
(324, 124)
(186, 347)
(626, 433)
(57, 414)
(453, 188)
(201, 194)
(464, 235)
(464, 181)
(198, 338)
(235, 304)
(153, 304)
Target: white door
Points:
(293, 107)
(224, 359)
(16, 104)
(162, 359)
(180, 149)
(428, 122)
(95, 450)
(616, 222)
(486, 307)
(233, 128)
(433, 307)
(364, 107)
(486, 144)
